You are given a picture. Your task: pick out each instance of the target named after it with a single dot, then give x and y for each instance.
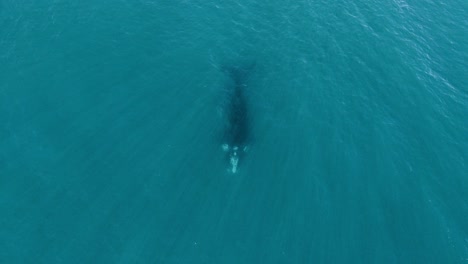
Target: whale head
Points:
(234, 155)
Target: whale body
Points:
(236, 133)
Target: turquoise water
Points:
(111, 113)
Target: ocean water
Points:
(112, 118)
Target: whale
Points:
(237, 124)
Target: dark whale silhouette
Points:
(237, 132)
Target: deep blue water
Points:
(111, 124)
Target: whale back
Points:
(237, 130)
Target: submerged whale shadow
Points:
(236, 133)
